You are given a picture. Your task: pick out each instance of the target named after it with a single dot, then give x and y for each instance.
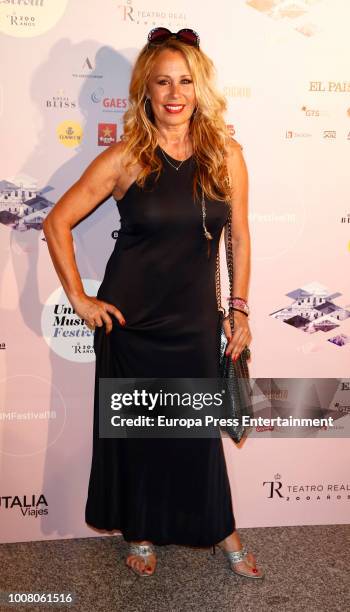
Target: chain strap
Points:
(229, 260)
(218, 282)
(240, 368)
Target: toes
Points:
(135, 562)
(140, 565)
(246, 567)
(150, 568)
(253, 570)
(251, 560)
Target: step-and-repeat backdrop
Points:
(284, 69)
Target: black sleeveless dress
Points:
(166, 490)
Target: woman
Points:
(173, 176)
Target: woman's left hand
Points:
(241, 334)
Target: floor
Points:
(307, 568)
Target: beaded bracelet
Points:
(238, 303)
(237, 297)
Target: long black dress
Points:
(168, 491)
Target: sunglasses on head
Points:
(158, 36)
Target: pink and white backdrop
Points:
(284, 68)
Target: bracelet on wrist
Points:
(238, 310)
(239, 304)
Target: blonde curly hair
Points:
(208, 130)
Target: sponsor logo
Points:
(292, 134)
(237, 91)
(64, 330)
(28, 18)
(69, 133)
(330, 86)
(138, 13)
(276, 489)
(60, 101)
(27, 505)
(87, 70)
(34, 416)
(329, 134)
(314, 112)
(231, 129)
(107, 134)
(115, 104)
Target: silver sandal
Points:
(143, 551)
(236, 556)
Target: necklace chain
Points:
(169, 162)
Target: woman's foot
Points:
(247, 565)
(138, 563)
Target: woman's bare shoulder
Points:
(234, 154)
(125, 174)
(233, 146)
(235, 161)
(115, 154)
(120, 156)
(110, 164)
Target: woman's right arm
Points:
(95, 185)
